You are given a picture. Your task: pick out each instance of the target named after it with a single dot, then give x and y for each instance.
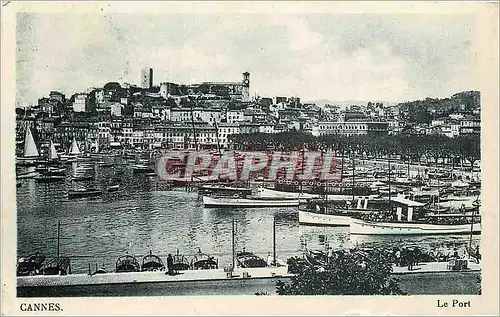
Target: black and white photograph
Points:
(260, 152)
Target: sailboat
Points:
(30, 153)
(51, 170)
(96, 149)
(73, 152)
(53, 157)
(74, 148)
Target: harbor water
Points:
(144, 215)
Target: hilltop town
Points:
(205, 115)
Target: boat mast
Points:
(218, 143)
(342, 166)
(233, 246)
(471, 230)
(274, 241)
(58, 239)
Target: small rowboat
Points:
(127, 263)
(30, 265)
(113, 188)
(180, 262)
(49, 178)
(58, 266)
(203, 261)
(248, 259)
(79, 178)
(80, 193)
(152, 262)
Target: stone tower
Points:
(246, 87)
(147, 78)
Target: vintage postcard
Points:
(249, 158)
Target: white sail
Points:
(30, 149)
(52, 152)
(74, 148)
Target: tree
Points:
(347, 273)
(469, 148)
(435, 146)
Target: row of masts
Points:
(233, 243)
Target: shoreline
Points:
(217, 282)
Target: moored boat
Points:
(73, 152)
(224, 190)
(113, 188)
(30, 265)
(81, 178)
(30, 153)
(248, 259)
(414, 218)
(127, 263)
(323, 219)
(363, 227)
(180, 262)
(80, 193)
(203, 261)
(248, 202)
(51, 170)
(58, 266)
(319, 212)
(30, 173)
(99, 270)
(266, 193)
(105, 164)
(316, 258)
(142, 168)
(152, 262)
(42, 178)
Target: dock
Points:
(151, 277)
(239, 282)
(191, 282)
(434, 267)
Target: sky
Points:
(391, 57)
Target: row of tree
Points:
(410, 148)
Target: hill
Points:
(423, 111)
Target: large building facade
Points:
(350, 128)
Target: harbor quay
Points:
(247, 281)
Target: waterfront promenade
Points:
(426, 278)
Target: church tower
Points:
(246, 87)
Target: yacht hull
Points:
(361, 227)
(247, 203)
(316, 219)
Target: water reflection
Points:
(143, 217)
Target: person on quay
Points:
(270, 260)
(410, 257)
(398, 257)
(330, 254)
(170, 264)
